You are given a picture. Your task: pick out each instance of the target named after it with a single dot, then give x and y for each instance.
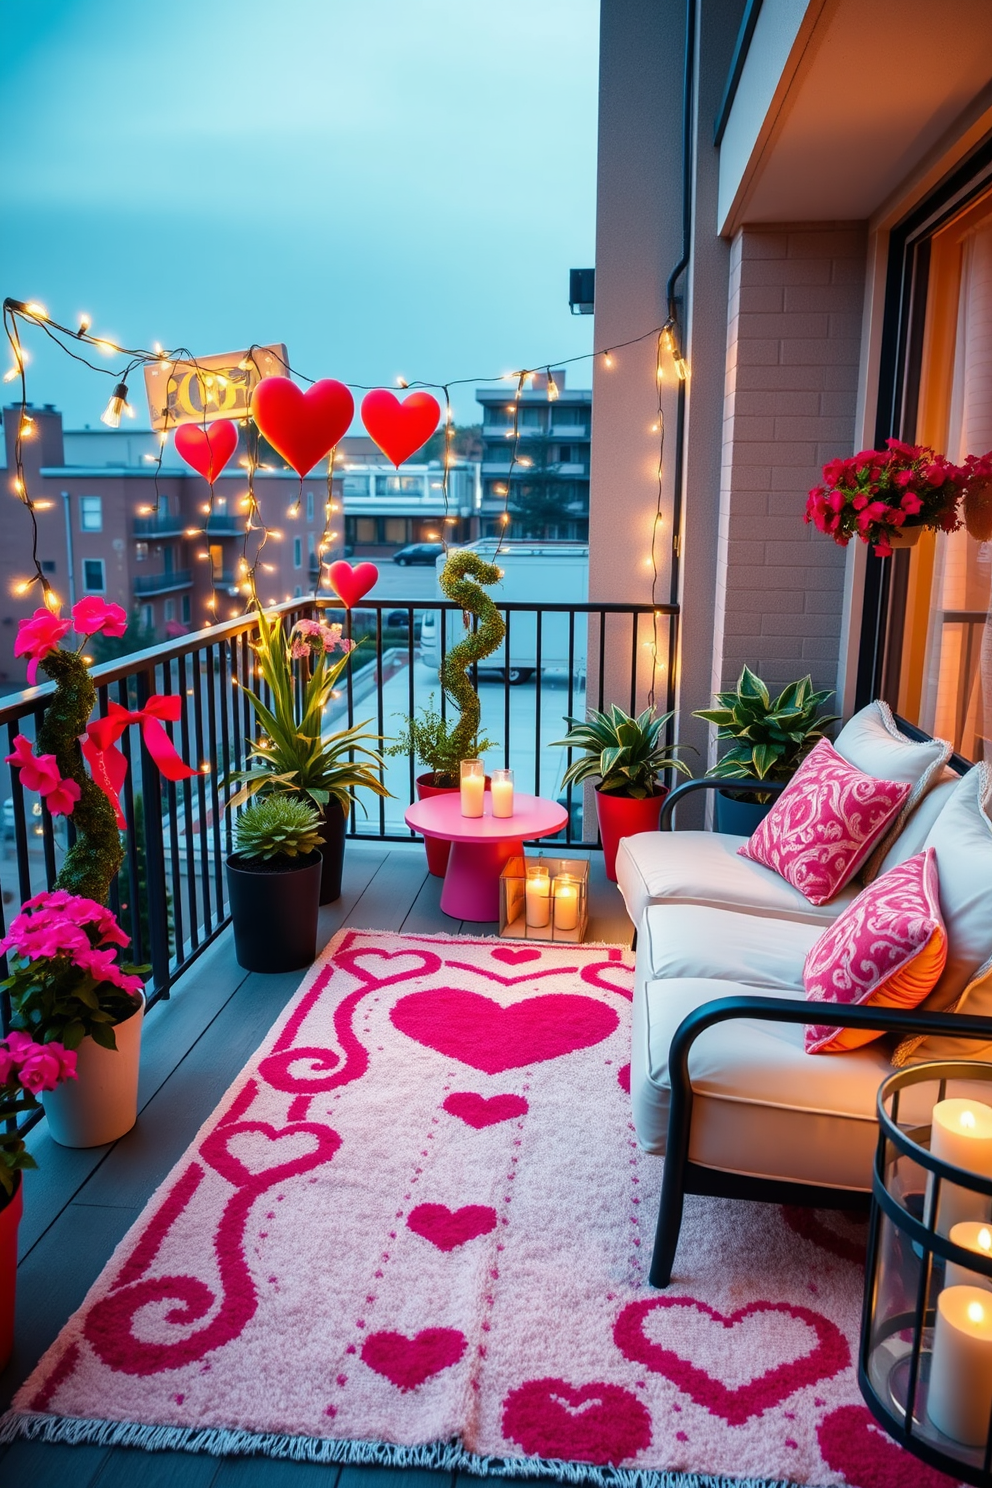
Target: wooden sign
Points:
(212, 387)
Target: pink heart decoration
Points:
(510, 957)
(252, 1165)
(448, 1228)
(399, 429)
(479, 1032)
(623, 1077)
(478, 1112)
(590, 1423)
(813, 1224)
(853, 1444)
(829, 1355)
(352, 584)
(207, 450)
(350, 960)
(610, 976)
(407, 1362)
(302, 426)
(510, 981)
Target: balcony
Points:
(159, 526)
(146, 585)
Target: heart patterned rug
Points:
(417, 1232)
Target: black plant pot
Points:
(275, 914)
(332, 827)
(739, 814)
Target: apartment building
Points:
(535, 461)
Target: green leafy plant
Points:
(432, 741)
(293, 753)
(772, 736)
(628, 754)
(277, 829)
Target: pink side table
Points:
(481, 845)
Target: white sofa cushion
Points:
(705, 868)
(762, 1106)
(696, 940)
(914, 834)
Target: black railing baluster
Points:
(411, 700)
(602, 660)
(569, 713)
(506, 691)
(192, 898)
(538, 657)
(634, 623)
(217, 768)
(203, 832)
(156, 898)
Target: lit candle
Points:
(970, 1236)
(961, 1134)
(566, 902)
(502, 792)
(959, 1402)
(473, 787)
(538, 897)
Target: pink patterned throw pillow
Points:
(888, 948)
(825, 823)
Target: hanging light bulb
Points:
(111, 415)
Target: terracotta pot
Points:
(437, 851)
(622, 816)
(332, 829)
(10, 1218)
(274, 913)
(905, 537)
(101, 1104)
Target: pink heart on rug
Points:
(815, 1225)
(407, 1362)
(514, 958)
(738, 1403)
(853, 1444)
(479, 1032)
(591, 1423)
(477, 1111)
(512, 981)
(427, 964)
(610, 976)
(262, 1156)
(448, 1228)
(623, 1077)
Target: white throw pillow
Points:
(873, 743)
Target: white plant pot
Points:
(101, 1104)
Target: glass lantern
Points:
(544, 899)
(925, 1367)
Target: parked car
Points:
(426, 552)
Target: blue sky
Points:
(391, 187)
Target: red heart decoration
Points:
(399, 429)
(448, 1228)
(479, 1032)
(478, 1112)
(854, 1445)
(594, 1423)
(351, 584)
(207, 450)
(828, 1356)
(514, 958)
(302, 426)
(407, 1362)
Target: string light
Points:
(118, 404)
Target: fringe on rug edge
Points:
(437, 1456)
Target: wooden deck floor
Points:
(80, 1203)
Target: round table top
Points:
(441, 816)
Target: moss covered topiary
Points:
(96, 854)
(475, 647)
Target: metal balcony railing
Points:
(163, 583)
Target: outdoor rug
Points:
(417, 1232)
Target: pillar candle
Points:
(566, 902)
(961, 1133)
(959, 1402)
(473, 787)
(502, 792)
(538, 897)
(970, 1236)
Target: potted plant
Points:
(772, 736)
(26, 1068)
(628, 754)
(68, 988)
(433, 743)
(887, 498)
(273, 881)
(292, 752)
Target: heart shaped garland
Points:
(302, 426)
(399, 429)
(207, 450)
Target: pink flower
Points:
(62, 798)
(92, 614)
(103, 967)
(38, 636)
(39, 774)
(42, 1069)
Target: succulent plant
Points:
(277, 826)
(627, 753)
(773, 736)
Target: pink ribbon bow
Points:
(108, 765)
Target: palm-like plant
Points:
(293, 754)
(628, 754)
(772, 735)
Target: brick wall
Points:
(793, 345)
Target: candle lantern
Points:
(544, 899)
(925, 1366)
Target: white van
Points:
(534, 573)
